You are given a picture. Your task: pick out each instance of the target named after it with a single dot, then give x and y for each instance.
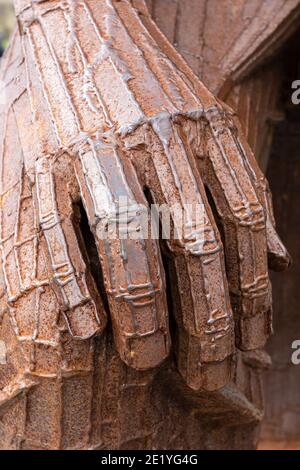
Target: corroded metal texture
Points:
(223, 40)
(99, 105)
(230, 45)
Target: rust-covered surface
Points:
(250, 57)
(225, 40)
(232, 46)
(99, 105)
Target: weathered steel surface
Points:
(99, 105)
(223, 40)
(230, 45)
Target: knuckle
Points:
(256, 290)
(249, 214)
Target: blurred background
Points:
(6, 23)
(281, 426)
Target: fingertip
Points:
(145, 352)
(254, 331)
(279, 261)
(210, 377)
(279, 258)
(83, 321)
(217, 374)
(200, 371)
(140, 325)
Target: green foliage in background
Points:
(6, 22)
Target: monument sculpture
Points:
(117, 343)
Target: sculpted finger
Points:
(243, 220)
(80, 302)
(278, 256)
(131, 265)
(28, 299)
(204, 339)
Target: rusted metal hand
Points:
(100, 106)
